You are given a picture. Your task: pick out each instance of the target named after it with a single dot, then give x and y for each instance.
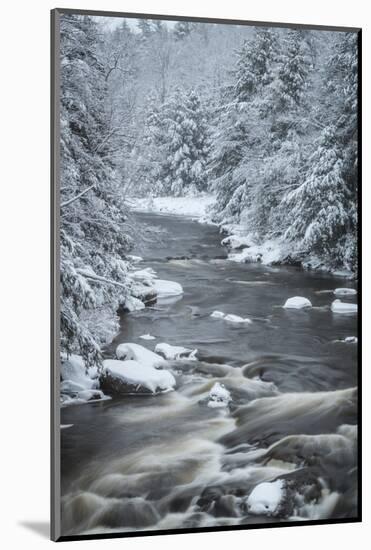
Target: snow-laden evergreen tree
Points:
(293, 69)
(319, 204)
(145, 28)
(287, 94)
(182, 29)
(238, 140)
(150, 153)
(183, 140)
(254, 64)
(285, 145)
(327, 198)
(93, 237)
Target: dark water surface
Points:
(169, 461)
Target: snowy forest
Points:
(208, 273)
(264, 119)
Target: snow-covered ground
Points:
(244, 249)
(192, 207)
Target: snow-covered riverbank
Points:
(197, 208)
(242, 246)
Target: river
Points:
(171, 462)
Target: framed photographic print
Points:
(205, 277)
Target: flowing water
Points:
(169, 461)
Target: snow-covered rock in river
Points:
(79, 385)
(217, 315)
(75, 377)
(147, 274)
(146, 287)
(133, 304)
(167, 289)
(134, 259)
(142, 290)
(231, 318)
(91, 395)
(70, 386)
(219, 396)
(147, 337)
(343, 307)
(297, 302)
(351, 340)
(345, 292)
(138, 353)
(266, 498)
(175, 352)
(344, 273)
(123, 377)
(236, 242)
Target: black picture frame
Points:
(55, 274)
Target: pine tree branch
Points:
(99, 279)
(70, 201)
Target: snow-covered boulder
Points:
(83, 397)
(266, 498)
(138, 353)
(175, 352)
(345, 292)
(167, 289)
(91, 395)
(146, 275)
(351, 340)
(133, 304)
(123, 377)
(297, 302)
(219, 396)
(134, 259)
(147, 337)
(75, 376)
(231, 318)
(70, 386)
(343, 307)
(236, 242)
(217, 315)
